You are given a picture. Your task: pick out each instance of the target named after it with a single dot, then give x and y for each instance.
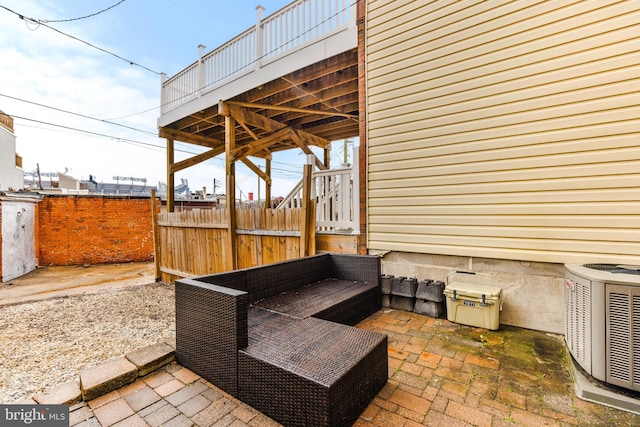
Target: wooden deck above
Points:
(296, 70)
(291, 82)
(316, 104)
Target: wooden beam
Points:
(157, 254)
(291, 109)
(320, 100)
(230, 169)
(249, 131)
(256, 170)
(189, 137)
(254, 119)
(257, 120)
(267, 195)
(191, 161)
(295, 136)
(306, 209)
(223, 108)
(329, 67)
(260, 144)
(327, 157)
(170, 176)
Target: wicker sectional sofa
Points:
(280, 337)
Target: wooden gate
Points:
(197, 242)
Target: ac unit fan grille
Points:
(636, 339)
(619, 360)
(623, 336)
(615, 268)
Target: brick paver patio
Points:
(440, 374)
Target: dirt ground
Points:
(53, 282)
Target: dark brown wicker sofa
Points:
(278, 337)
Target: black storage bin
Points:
(405, 287)
(429, 308)
(402, 303)
(385, 284)
(430, 290)
(386, 300)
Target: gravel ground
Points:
(46, 343)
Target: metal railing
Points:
(291, 28)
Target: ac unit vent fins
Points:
(578, 322)
(623, 336)
(619, 366)
(636, 340)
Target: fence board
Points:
(192, 242)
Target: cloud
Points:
(45, 67)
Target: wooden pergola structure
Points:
(310, 107)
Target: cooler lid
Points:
(473, 290)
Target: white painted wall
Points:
(11, 176)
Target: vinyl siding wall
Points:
(504, 129)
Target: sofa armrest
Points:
(211, 326)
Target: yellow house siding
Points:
(504, 129)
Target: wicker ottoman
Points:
(312, 371)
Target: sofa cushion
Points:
(321, 297)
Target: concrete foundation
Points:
(532, 291)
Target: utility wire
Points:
(90, 132)
(250, 64)
(159, 73)
(114, 137)
(80, 115)
(35, 21)
(46, 21)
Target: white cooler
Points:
(474, 305)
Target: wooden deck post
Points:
(230, 144)
(170, 175)
(306, 207)
(156, 235)
(327, 157)
(267, 191)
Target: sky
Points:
(57, 87)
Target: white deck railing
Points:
(337, 197)
(294, 26)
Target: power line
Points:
(264, 55)
(117, 124)
(43, 22)
(81, 17)
(134, 114)
(35, 21)
(126, 140)
(116, 138)
(79, 115)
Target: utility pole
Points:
(39, 177)
(215, 187)
(344, 153)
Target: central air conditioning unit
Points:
(602, 321)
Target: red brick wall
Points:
(74, 230)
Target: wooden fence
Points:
(197, 242)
